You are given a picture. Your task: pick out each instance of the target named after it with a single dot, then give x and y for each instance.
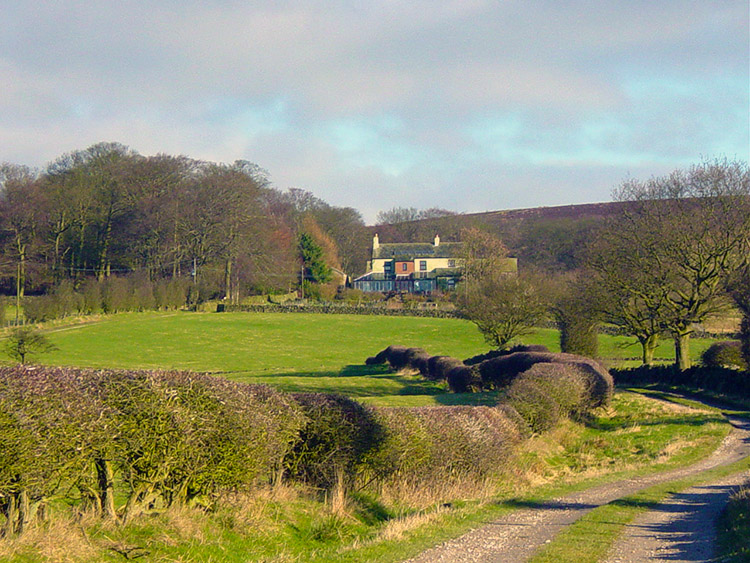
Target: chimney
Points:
(375, 242)
(437, 240)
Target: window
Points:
(404, 267)
(423, 265)
(451, 263)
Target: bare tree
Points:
(683, 234)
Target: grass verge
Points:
(733, 526)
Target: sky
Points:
(467, 105)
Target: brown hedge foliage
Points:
(464, 379)
(431, 445)
(497, 353)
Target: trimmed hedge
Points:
(427, 445)
(170, 436)
(499, 370)
(337, 433)
(721, 380)
(497, 353)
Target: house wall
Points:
(378, 265)
(404, 268)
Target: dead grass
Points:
(62, 540)
(422, 496)
(397, 528)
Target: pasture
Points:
(298, 352)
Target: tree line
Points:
(676, 255)
(107, 210)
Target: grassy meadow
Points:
(297, 352)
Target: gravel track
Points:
(517, 536)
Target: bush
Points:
(41, 308)
(499, 372)
(438, 367)
(419, 360)
(464, 379)
(563, 383)
(25, 341)
(497, 353)
(170, 436)
(533, 402)
(721, 380)
(726, 354)
(335, 437)
(579, 336)
(437, 446)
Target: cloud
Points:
(452, 103)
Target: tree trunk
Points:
(228, 280)
(649, 344)
(745, 338)
(11, 515)
(682, 351)
(105, 479)
(24, 512)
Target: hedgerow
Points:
(439, 445)
(541, 386)
(171, 437)
(720, 380)
(336, 434)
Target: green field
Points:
(297, 352)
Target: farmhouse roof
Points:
(410, 251)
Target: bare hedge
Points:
(430, 445)
(169, 436)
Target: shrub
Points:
(92, 297)
(745, 338)
(579, 335)
(520, 425)
(534, 404)
(116, 295)
(337, 433)
(420, 362)
(464, 379)
(238, 434)
(51, 427)
(499, 372)
(438, 367)
(437, 446)
(41, 308)
(726, 354)
(721, 380)
(497, 353)
(563, 383)
(25, 341)
(397, 357)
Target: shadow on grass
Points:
(696, 420)
(486, 399)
